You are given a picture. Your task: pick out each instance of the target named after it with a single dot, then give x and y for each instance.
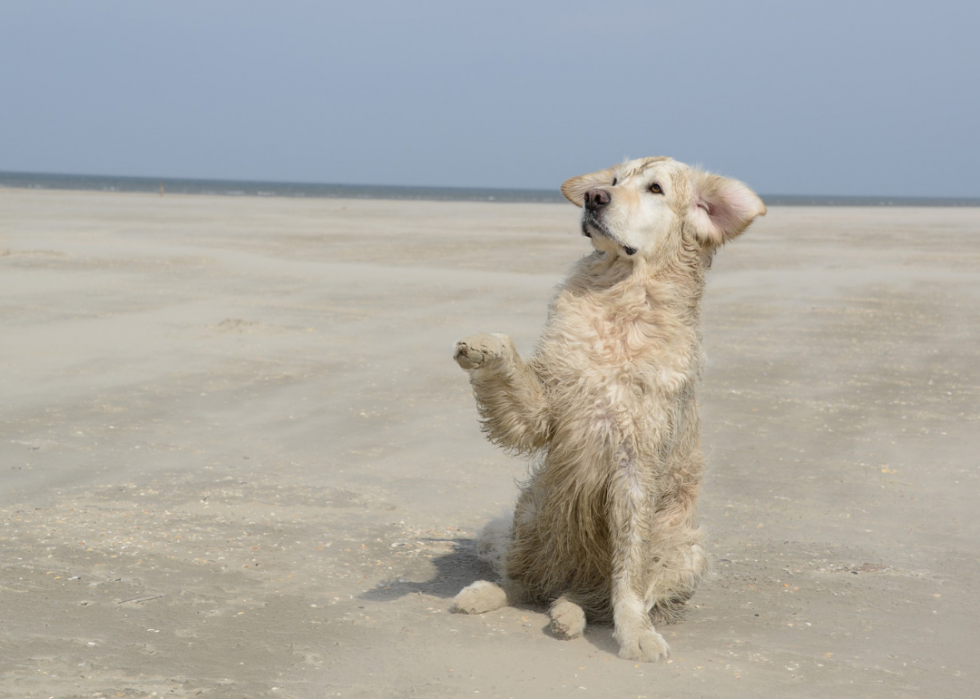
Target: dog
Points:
(605, 527)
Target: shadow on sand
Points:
(460, 567)
(454, 571)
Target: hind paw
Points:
(567, 619)
(478, 598)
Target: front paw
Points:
(481, 351)
(647, 646)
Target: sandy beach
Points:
(237, 459)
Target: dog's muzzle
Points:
(593, 202)
(592, 225)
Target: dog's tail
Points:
(493, 543)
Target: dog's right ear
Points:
(574, 189)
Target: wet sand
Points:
(237, 459)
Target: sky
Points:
(853, 97)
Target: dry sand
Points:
(237, 459)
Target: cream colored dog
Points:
(605, 527)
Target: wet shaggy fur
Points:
(605, 527)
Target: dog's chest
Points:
(628, 348)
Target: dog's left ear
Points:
(722, 208)
(574, 189)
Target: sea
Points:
(246, 188)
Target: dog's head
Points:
(640, 206)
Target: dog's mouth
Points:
(592, 226)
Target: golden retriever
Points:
(605, 527)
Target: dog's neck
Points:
(669, 281)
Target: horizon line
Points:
(15, 179)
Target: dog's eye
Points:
(656, 188)
(614, 182)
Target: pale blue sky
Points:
(856, 98)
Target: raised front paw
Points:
(648, 646)
(480, 351)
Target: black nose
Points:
(596, 199)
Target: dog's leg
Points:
(674, 579)
(484, 596)
(638, 640)
(629, 530)
(508, 393)
(567, 619)
(679, 562)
